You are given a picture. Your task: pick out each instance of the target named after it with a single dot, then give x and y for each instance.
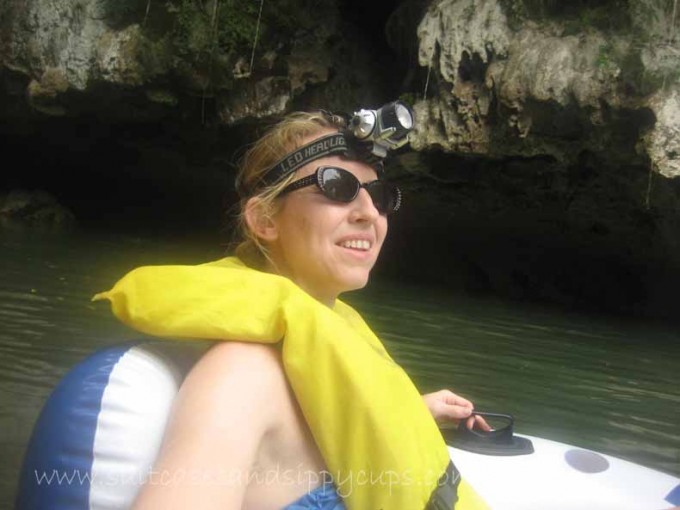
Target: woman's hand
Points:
(447, 407)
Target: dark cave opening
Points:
(520, 228)
(516, 227)
(140, 177)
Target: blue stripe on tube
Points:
(674, 496)
(61, 446)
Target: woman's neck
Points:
(326, 298)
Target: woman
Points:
(248, 430)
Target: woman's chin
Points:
(355, 282)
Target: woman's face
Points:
(328, 247)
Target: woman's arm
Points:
(220, 416)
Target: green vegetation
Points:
(576, 15)
(605, 57)
(202, 31)
(641, 17)
(409, 98)
(228, 27)
(119, 13)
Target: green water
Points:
(611, 385)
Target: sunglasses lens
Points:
(386, 197)
(342, 186)
(339, 185)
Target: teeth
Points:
(356, 244)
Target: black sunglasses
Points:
(341, 185)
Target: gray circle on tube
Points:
(586, 462)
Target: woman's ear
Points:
(259, 220)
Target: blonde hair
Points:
(278, 141)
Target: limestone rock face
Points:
(546, 138)
(550, 131)
(85, 55)
(501, 87)
(451, 29)
(64, 47)
(57, 35)
(662, 142)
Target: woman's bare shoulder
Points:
(250, 352)
(251, 361)
(237, 370)
(220, 416)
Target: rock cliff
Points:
(547, 158)
(243, 60)
(560, 120)
(510, 81)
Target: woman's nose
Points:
(363, 208)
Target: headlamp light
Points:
(387, 127)
(368, 137)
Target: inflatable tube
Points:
(558, 476)
(96, 439)
(99, 432)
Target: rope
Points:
(257, 34)
(427, 81)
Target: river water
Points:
(608, 384)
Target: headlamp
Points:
(387, 127)
(368, 137)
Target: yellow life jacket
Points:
(375, 433)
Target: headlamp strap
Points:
(322, 147)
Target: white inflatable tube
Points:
(558, 476)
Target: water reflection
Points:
(601, 384)
(608, 385)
